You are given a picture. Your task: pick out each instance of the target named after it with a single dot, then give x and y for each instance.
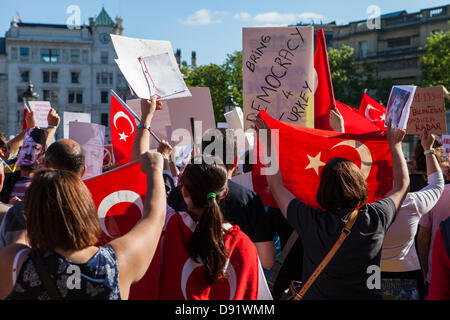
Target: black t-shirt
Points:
(346, 275)
(241, 206)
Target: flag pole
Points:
(134, 114)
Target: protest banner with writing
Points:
(74, 116)
(91, 137)
(40, 110)
(446, 145)
(427, 111)
(278, 74)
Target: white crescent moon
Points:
(122, 114)
(115, 198)
(190, 265)
(364, 153)
(367, 113)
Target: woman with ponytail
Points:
(202, 256)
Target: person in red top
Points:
(440, 276)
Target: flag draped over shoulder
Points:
(123, 130)
(373, 111)
(303, 152)
(181, 277)
(323, 95)
(119, 196)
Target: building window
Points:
(51, 95)
(75, 97)
(399, 42)
(75, 77)
(362, 46)
(24, 54)
(75, 56)
(105, 78)
(50, 55)
(104, 96)
(104, 57)
(104, 119)
(14, 53)
(20, 92)
(85, 56)
(50, 76)
(24, 75)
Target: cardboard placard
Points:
(278, 74)
(91, 137)
(427, 111)
(446, 145)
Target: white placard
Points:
(398, 106)
(129, 50)
(40, 111)
(74, 117)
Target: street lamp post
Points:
(29, 95)
(229, 104)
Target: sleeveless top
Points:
(98, 278)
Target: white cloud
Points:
(204, 17)
(243, 16)
(276, 18)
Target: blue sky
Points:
(211, 28)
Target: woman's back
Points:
(98, 278)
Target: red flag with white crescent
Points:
(354, 122)
(303, 152)
(119, 196)
(182, 278)
(123, 129)
(373, 111)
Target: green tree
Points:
(350, 79)
(435, 63)
(216, 79)
(233, 67)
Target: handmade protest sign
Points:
(427, 111)
(91, 137)
(278, 74)
(130, 50)
(40, 110)
(74, 116)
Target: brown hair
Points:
(60, 212)
(200, 179)
(229, 145)
(342, 186)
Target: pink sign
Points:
(40, 110)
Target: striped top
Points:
(20, 187)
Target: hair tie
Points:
(211, 195)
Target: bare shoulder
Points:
(8, 253)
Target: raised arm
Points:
(281, 195)
(142, 140)
(135, 249)
(15, 143)
(53, 120)
(336, 120)
(400, 169)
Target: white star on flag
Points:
(123, 136)
(315, 163)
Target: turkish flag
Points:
(182, 278)
(303, 152)
(354, 122)
(119, 196)
(123, 130)
(373, 111)
(323, 95)
(24, 122)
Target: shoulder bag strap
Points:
(47, 281)
(344, 234)
(280, 261)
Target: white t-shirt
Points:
(399, 253)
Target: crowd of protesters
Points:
(49, 222)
